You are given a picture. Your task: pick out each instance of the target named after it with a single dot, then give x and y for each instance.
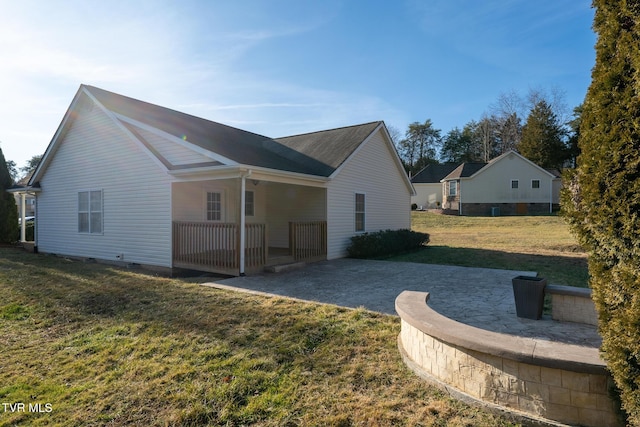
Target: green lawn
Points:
(96, 345)
(535, 243)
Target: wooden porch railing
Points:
(256, 248)
(214, 247)
(308, 240)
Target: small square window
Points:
(535, 183)
(514, 184)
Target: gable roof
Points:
(241, 146)
(433, 173)
(316, 154)
(465, 170)
(331, 147)
(468, 170)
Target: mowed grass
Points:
(533, 243)
(93, 345)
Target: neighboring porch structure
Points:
(22, 193)
(242, 224)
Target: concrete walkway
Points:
(479, 297)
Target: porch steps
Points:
(279, 268)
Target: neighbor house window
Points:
(514, 184)
(453, 188)
(249, 206)
(214, 206)
(360, 211)
(90, 211)
(535, 183)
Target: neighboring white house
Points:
(125, 180)
(428, 186)
(508, 185)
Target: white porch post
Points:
(243, 184)
(23, 225)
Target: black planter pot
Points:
(528, 292)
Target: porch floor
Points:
(279, 256)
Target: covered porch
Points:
(241, 224)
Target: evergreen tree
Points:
(574, 125)
(419, 146)
(8, 208)
(464, 145)
(602, 201)
(541, 140)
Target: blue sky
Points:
(283, 67)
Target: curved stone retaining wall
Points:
(541, 382)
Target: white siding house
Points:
(428, 187)
(372, 172)
(124, 180)
(507, 185)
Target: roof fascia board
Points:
(394, 154)
(258, 173)
(505, 155)
(175, 139)
(127, 132)
(53, 144)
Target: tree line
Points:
(537, 126)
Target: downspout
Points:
(243, 231)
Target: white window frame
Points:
(454, 187)
(94, 223)
(249, 205)
(360, 213)
(517, 184)
(220, 210)
(534, 187)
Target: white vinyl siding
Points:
(429, 196)
(371, 170)
(94, 153)
(286, 203)
(493, 184)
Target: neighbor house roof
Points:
(433, 173)
(465, 170)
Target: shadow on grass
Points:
(561, 270)
(72, 293)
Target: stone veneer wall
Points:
(570, 304)
(539, 381)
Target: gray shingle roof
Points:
(465, 170)
(433, 173)
(331, 147)
(318, 153)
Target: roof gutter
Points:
(235, 171)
